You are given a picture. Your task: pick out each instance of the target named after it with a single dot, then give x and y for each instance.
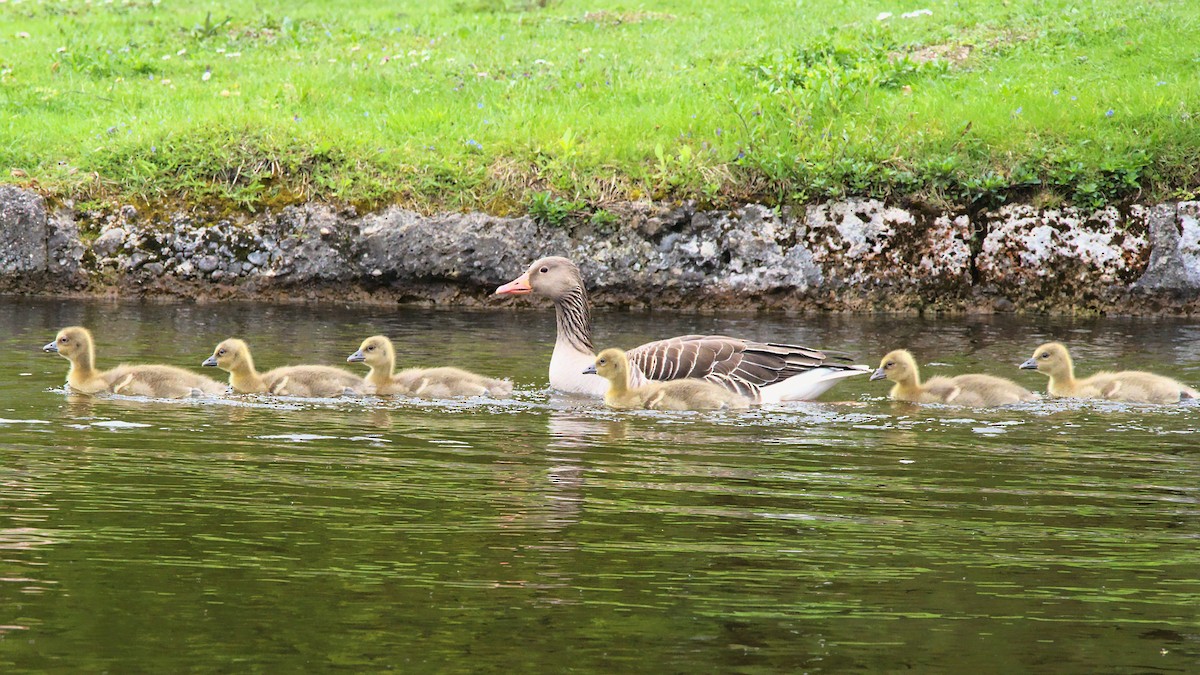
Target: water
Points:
(550, 534)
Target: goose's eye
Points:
(220, 352)
(889, 364)
(1045, 355)
(371, 348)
(544, 270)
(64, 339)
(601, 362)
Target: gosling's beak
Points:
(518, 286)
(51, 347)
(1030, 364)
(878, 374)
(590, 370)
(210, 362)
(356, 357)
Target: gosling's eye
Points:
(371, 348)
(544, 270)
(220, 352)
(64, 340)
(889, 364)
(602, 362)
(1045, 355)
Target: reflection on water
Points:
(252, 533)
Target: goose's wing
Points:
(738, 365)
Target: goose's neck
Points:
(1062, 382)
(381, 374)
(573, 313)
(244, 378)
(82, 369)
(619, 385)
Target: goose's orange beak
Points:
(518, 286)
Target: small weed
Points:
(551, 210)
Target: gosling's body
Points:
(967, 390)
(156, 381)
(1130, 386)
(378, 353)
(685, 394)
(233, 356)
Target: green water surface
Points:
(549, 534)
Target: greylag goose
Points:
(233, 356)
(685, 394)
(77, 346)
(971, 390)
(378, 353)
(1132, 386)
(762, 372)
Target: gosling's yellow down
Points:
(76, 345)
(970, 390)
(685, 394)
(1132, 386)
(378, 353)
(233, 356)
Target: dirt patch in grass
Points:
(608, 18)
(954, 54)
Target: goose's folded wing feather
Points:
(740, 365)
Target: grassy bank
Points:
(558, 106)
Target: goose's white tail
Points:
(808, 386)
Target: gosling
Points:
(378, 353)
(967, 390)
(233, 356)
(1130, 386)
(76, 345)
(684, 394)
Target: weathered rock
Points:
(847, 255)
(473, 249)
(22, 232)
(108, 242)
(207, 263)
(1042, 259)
(1174, 232)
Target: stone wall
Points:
(853, 255)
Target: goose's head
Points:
(897, 366)
(1051, 358)
(230, 355)
(71, 343)
(610, 364)
(376, 351)
(553, 277)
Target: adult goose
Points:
(761, 371)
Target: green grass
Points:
(512, 105)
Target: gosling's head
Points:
(230, 355)
(897, 366)
(611, 364)
(1051, 358)
(71, 343)
(376, 351)
(553, 277)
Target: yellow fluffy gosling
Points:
(378, 353)
(1132, 386)
(75, 344)
(686, 394)
(970, 390)
(233, 356)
